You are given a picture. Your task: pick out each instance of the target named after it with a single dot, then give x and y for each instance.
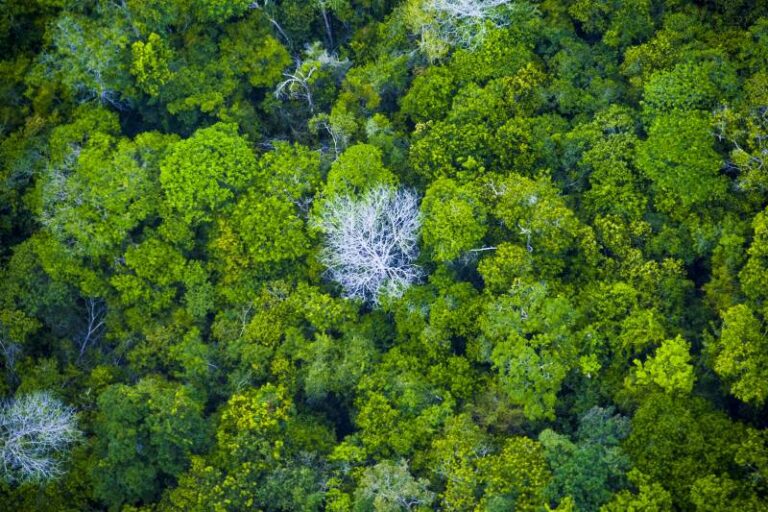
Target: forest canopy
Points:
(384, 255)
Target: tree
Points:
(102, 192)
(620, 22)
(389, 487)
(741, 355)
(263, 230)
(202, 173)
(219, 11)
(146, 435)
(91, 58)
(670, 368)
(534, 215)
(35, 431)
(689, 86)
(650, 497)
(443, 24)
(676, 440)
(592, 466)
(480, 476)
(310, 76)
(745, 130)
(533, 342)
(265, 458)
(454, 219)
(357, 170)
(515, 477)
(336, 365)
(371, 244)
(150, 63)
(679, 158)
(455, 457)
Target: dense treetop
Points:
(382, 255)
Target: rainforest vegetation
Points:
(384, 255)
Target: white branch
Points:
(34, 430)
(371, 243)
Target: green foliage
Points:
(564, 201)
(454, 219)
(202, 173)
(534, 345)
(740, 354)
(670, 368)
(219, 10)
(590, 468)
(650, 497)
(389, 487)
(676, 441)
(689, 87)
(679, 159)
(620, 23)
(513, 476)
(147, 434)
(356, 171)
(150, 63)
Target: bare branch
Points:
(96, 312)
(461, 23)
(371, 243)
(296, 86)
(34, 430)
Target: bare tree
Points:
(96, 314)
(298, 83)
(34, 431)
(460, 23)
(468, 9)
(371, 243)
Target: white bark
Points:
(34, 430)
(464, 23)
(463, 9)
(371, 243)
(96, 322)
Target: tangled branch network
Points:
(371, 243)
(34, 430)
(465, 22)
(463, 9)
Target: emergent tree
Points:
(371, 242)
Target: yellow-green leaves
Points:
(454, 219)
(204, 172)
(358, 170)
(150, 63)
(670, 368)
(680, 160)
(741, 355)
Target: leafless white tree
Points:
(34, 431)
(96, 312)
(296, 85)
(468, 9)
(462, 23)
(371, 243)
(299, 82)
